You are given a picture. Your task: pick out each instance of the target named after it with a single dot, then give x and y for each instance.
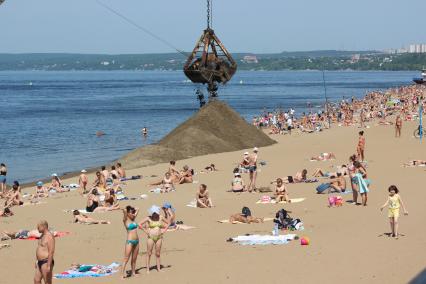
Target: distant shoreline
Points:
(330, 60)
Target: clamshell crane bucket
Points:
(210, 62)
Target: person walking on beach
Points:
(44, 255)
(398, 126)
(361, 146)
(131, 249)
(252, 167)
(83, 180)
(3, 173)
(394, 202)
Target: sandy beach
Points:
(347, 244)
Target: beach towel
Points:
(131, 178)
(310, 180)
(91, 270)
(58, 235)
(273, 201)
(362, 183)
(192, 204)
(263, 239)
(82, 211)
(123, 197)
(227, 221)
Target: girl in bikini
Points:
(203, 197)
(132, 243)
(154, 226)
(166, 183)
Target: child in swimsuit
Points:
(394, 202)
(132, 242)
(154, 226)
(281, 191)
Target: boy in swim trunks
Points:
(395, 202)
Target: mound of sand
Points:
(216, 128)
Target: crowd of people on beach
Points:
(104, 193)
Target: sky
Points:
(268, 26)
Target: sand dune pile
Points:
(216, 128)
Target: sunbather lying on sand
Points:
(23, 234)
(297, 178)
(244, 217)
(169, 214)
(166, 183)
(208, 169)
(321, 173)
(84, 219)
(415, 163)
(281, 193)
(324, 157)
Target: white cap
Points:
(83, 171)
(237, 174)
(246, 153)
(54, 175)
(256, 149)
(154, 209)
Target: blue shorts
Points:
(2, 179)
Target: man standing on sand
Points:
(44, 255)
(398, 126)
(83, 180)
(252, 167)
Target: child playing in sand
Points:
(395, 202)
(83, 180)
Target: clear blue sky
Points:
(243, 25)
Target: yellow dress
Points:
(394, 206)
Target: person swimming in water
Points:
(131, 248)
(155, 226)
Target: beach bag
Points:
(282, 219)
(265, 199)
(323, 187)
